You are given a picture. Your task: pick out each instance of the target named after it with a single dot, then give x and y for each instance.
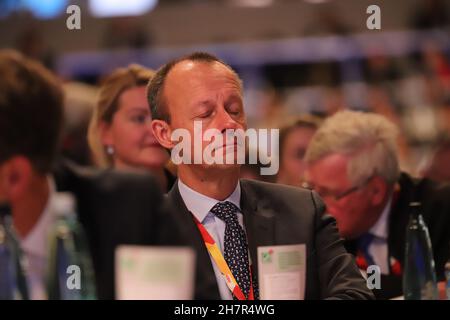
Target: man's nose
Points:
(225, 121)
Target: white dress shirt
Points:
(35, 248)
(378, 248)
(200, 206)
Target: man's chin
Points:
(344, 232)
(224, 167)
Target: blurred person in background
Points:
(352, 163)
(253, 170)
(443, 116)
(430, 14)
(436, 68)
(31, 43)
(439, 166)
(294, 140)
(120, 135)
(126, 32)
(272, 109)
(114, 208)
(334, 101)
(79, 103)
(380, 102)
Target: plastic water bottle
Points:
(70, 274)
(13, 284)
(419, 277)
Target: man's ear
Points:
(16, 177)
(379, 190)
(162, 132)
(106, 136)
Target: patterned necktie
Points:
(236, 247)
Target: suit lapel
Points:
(259, 221)
(206, 284)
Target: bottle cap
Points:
(64, 203)
(415, 204)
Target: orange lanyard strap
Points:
(218, 258)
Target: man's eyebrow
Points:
(139, 108)
(210, 102)
(206, 102)
(234, 96)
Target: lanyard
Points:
(218, 258)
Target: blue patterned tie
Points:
(236, 247)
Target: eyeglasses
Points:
(334, 195)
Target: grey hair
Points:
(370, 140)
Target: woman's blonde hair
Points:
(108, 103)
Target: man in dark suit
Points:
(216, 211)
(114, 208)
(435, 200)
(353, 164)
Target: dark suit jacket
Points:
(114, 208)
(435, 199)
(280, 215)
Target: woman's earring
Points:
(110, 150)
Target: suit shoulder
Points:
(83, 180)
(267, 189)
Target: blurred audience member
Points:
(380, 102)
(437, 70)
(253, 171)
(327, 21)
(272, 110)
(79, 104)
(125, 32)
(431, 14)
(380, 68)
(443, 115)
(334, 101)
(31, 117)
(30, 42)
(439, 168)
(113, 207)
(294, 140)
(352, 163)
(119, 134)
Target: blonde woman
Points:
(119, 133)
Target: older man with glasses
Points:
(352, 163)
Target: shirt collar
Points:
(380, 228)
(200, 205)
(35, 242)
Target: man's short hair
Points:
(370, 140)
(155, 88)
(31, 111)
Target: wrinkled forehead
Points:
(331, 170)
